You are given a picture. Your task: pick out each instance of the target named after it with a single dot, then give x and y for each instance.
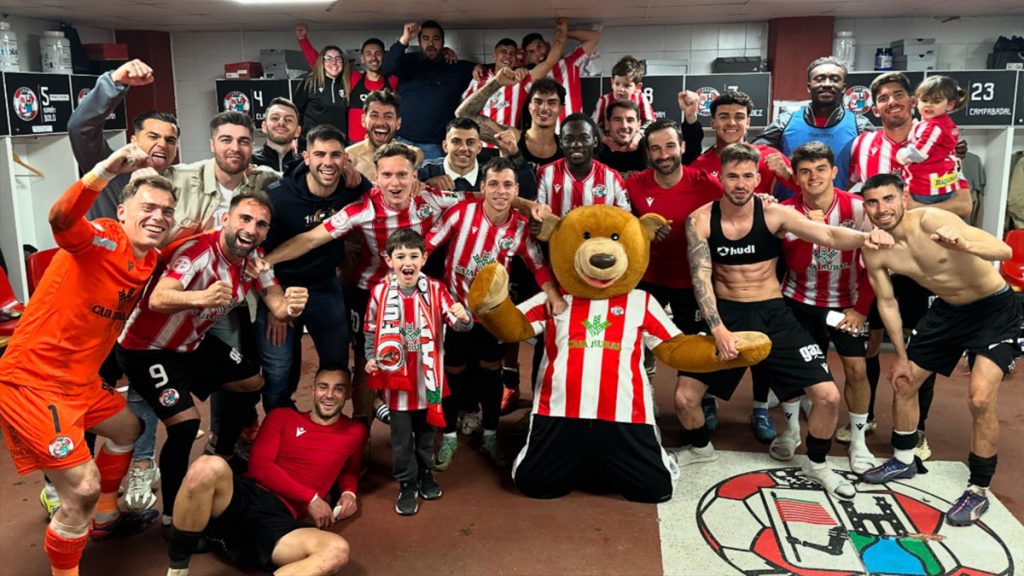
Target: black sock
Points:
(982, 469)
(874, 371)
(924, 400)
(490, 387)
(181, 545)
(699, 437)
(174, 460)
(817, 448)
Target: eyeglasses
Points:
(333, 60)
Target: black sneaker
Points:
(429, 488)
(407, 503)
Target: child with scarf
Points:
(404, 357)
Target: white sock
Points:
(68, 531)
(904, 456)
(755, 404)
(166, 520)
(490, 433)
(816, 465)
(452, 435)
(791, 410)
(978, 490)
(857, 424)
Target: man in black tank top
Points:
(733, 245)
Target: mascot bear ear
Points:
(547, 228)
(650, 224)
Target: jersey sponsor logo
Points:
(857, 99)
(61, 447)
(169, 397)
(705, 95)
(126, 300)
(26, 104)
(595, 326)
(411, 335)
(827, 259)
(734, 251)
(299, 431)
(236, 101)
(811, 352)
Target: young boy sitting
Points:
(404, 357)
(627, 77)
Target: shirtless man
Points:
(733, 246)
(975, 311)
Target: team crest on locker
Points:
(705, 96)
(26, 104)
(778, 522)
(857, 99)
(236, 101)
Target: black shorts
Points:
(521, 284)
(468, 348)
(167, 380)
(795, 362)
(913, 300)
(812, 318)
(988, 327)
(358, 300)
(685, 312)
(251, 525)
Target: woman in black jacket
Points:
(322, 96)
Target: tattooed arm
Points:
(472, 106)
(697, 231)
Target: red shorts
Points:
(45, 429)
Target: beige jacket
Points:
(361, 155)
(196, 186)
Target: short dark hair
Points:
(461, 123)
(732, 97)
(581, 117)
(531, 37)
(629, 67)
(282, 101)
(663, 124)
(888, 78)
(139, 120)
(258, 196)
(826, 60)
(234, 118)
(628, 104)
(506, 42)
(333, 367)
(373, 42)
(406, 238)
(811, 151)
(883, 179)
(324, 133)
(395, 149)
(431, 24)
(154, 180)
(739, 152)
(499, 163)
(547, 86)
(383, 97)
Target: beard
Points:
(669, 168)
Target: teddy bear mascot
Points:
(593, 412)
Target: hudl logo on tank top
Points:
(733, 251)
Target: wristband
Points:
(101, 174)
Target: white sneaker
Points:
(784, 447)
(922, 450)
(833, 483)
(691, 455)
(470, 423)
(861, 459)
(139, 493)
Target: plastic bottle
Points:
(883, 59)
(844, 47)
(55, 52)
(8, 49)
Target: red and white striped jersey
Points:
(593, 366)
(558, 188)
(711, 163)
(440, 308)
(823, 276)
(567, 73)
(873, 153)
(475, 242)
(197, 264)
(505, 106)
(936, 170)
(646, 110)
(377, 221)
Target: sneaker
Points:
(833, 483)
(446, 453)
(490, 449)
(469, 423)
(922, 451)
(710, 408)
(126, 524)
(690, 455)
(892, 469)
(783, 447)
(429, 488)
(138, 494)
(762, 425)
(383, 413)
(843, 435)
(509, 400)
(967, 508)
(407, 503)
(49, 499)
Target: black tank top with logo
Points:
(759, 245)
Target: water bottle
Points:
(55, 52)
(8, 49)
(844, 48)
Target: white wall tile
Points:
(732, 36)
(705, 37)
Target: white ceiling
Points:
(207, 15)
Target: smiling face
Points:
(826, 84)
(814, 176)
(730, 124)
(739, 180)
(623, 124)
(372, 57)
(244, 228)
(885, 206)
(330, 392)
(334, 63)
(159, 139)
(545, 109)
(431, 43)
(281, 125)
(406, 264)
(504, 56)
(231, 145)
(665, 151)
(578, 143)
(462, 147)
(537, 51)
(396, 179)
(381, 122)
(893, 105)
(500, 188)
(325, 159)
(147, 217)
